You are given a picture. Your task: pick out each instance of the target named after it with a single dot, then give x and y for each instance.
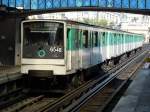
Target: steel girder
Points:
(55, 4)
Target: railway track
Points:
(87, 94)
(101, 100)
(77, 99)
(30, 104)
(11, 85)
(74, 101)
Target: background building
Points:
(137, 24)
(82, 16)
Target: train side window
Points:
(115, 38)
(99, 38)
(103, 39)
(80, 38)
(118, 38)
(122, 38)
(106, 38)
(89, 39)
(68, 30)
(85, 38)
(95, 39)
(68, 38)
(111, 38)
(76, 38)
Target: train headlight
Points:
(41, 53)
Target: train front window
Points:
(43, 33)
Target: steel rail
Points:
(107, 98)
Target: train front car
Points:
(43, 48)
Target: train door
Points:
(68, 49)
(85, 49)
(75, 51)
(73, 48)
(77, 47)
(94, 48)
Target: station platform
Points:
(9, 73)
(137, 96)
(9, 69)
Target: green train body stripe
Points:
(105, 39)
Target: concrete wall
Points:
(9, 41)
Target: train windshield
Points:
(43, 39)
(43, 33)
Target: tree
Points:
(102, 22)
(111, 24)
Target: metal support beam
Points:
(49, 5)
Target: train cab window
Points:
(85, 38)
(43, 33)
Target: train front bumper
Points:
(51, 69)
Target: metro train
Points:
(64, 48)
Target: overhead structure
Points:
(42, 6)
